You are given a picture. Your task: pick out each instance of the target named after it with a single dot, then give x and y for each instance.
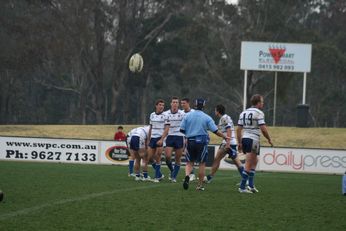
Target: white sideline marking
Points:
(77, 199)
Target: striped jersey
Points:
(174, 120)
(250, 120)
(141, 132)
(157, 122)
(226, 122)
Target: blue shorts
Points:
(232, 152)
(134, 143)
(175, 142)
(250, 145)
(153, 142)
(196, 151)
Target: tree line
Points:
(66, 62)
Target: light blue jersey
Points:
(197, 123)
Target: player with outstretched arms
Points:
(250, 124)
(157, 133)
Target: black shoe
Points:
(186, 182)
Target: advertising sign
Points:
(49, 150)
(114, 152)
(303, 160)
(273, 56)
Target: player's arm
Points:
(212, 127)
(149, 136)
(229, 134)
(239, 135)
(164, 134)
(266, 134)
(220, 134)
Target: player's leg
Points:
(202, 159)
(168, 154)
(131, 162)
(157, 157)
(250, 170)
(177, 164)
(137, 165)
(252, 173)
(152, 152)
(190, 156)
(216, 163)
(239, 165)
(247, 149)
(143, 155)
(134, 146)
(233, 154)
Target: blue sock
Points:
(193, 170)
(145, 174)
(158, 171)
(131, 163)
(251, 177)
(176, 171)
(154, 165)
(240, 170)
(245, 176)
(169, 165)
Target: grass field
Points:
(49, 196)
(281, 136)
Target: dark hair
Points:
(255, 99)
(159, 101)
(200, 103)
(220, 109)
(120, 127)
(174, 97)
(185, 99)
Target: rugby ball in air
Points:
(136, 63)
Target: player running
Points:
(227, 128)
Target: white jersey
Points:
(226, 122)
(141, 132)
(157, 122)
(174, 121)
(251, 119)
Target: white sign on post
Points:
(272, 56)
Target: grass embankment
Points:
(282, 136)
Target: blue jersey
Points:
(197, 123)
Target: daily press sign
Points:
(280, 57)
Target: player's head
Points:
(257, 101)
(159, 105)
(200, 103)
(120, 128)
(185, 104)
(220, 110)
(174, 103)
